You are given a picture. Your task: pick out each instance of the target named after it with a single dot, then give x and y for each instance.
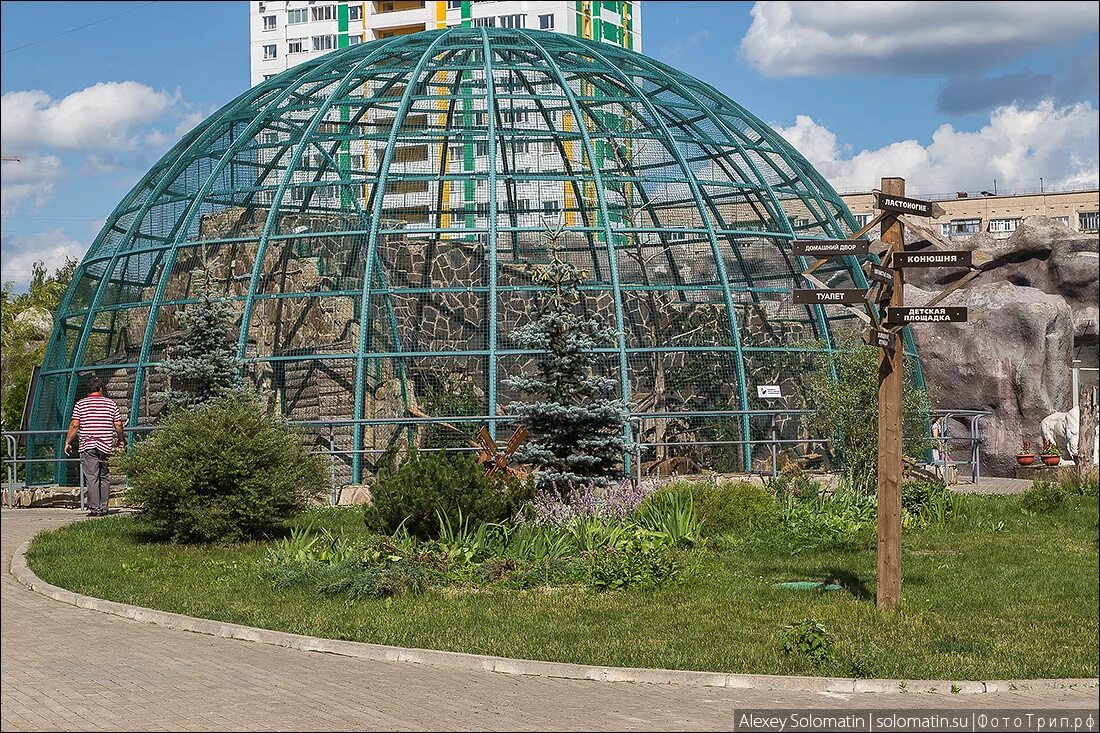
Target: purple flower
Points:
(613, 502)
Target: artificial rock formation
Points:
(1031, 313)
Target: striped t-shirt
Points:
(97, 416)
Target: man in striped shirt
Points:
(98, 422)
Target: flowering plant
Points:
(1025, 448)
(1050, 449)
(551, 506)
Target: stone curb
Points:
(527, 667)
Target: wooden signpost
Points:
(885, 313)
(803, 296)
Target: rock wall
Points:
(1031, 313)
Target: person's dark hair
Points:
(95, 384)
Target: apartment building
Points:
(286, 33)
(999, 215)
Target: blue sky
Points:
(950, 95)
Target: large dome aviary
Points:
(375, 213)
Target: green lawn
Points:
(995, 595)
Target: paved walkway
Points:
(68, 668)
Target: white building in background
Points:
(286, 33)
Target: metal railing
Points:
(940, 421)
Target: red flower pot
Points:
(1051, 460)
(1025, 459)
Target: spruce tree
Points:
(203, 365)
(574, 419)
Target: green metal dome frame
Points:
(347, 206)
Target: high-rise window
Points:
(1089, 220)
(324, 43)
(324, 12)
(355, 39)
(551, 208)
(961, 228)
(512, 21)
(1003, 226)
(546, 22)
(269, 22)
(489, 22)
(297, 16)
(355, 12)
(269, 52)
(454, 4)
(296, 45)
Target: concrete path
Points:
(69, 668)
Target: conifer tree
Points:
(203, 365)
(575, 419)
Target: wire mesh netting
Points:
(374, 215)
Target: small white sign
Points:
(768, 392)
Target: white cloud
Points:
(19, 253)
(100, 117)
(32, 178)
(821, 38)
(1017, 145)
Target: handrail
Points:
(771, 440)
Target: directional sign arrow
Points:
(902, 205)
(932, 258)
(878, 273)
(823, 297)
(882, 339)
(830, 247)
(923, 314)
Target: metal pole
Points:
(775, 455)
(1076, 378)
(888, 571)
(332, 466)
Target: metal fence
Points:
(771, 440)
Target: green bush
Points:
(223, 472)
(929, 502)
(843, 392)
(1080, 482)
(1043, 496)
(793, 481)
(845, 520)
(640, 563)
(428, 485)
(672, 516)
(807, 638)
(729, 506)
(735, 506)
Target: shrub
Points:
(1043, 496)
(721, 508)
(222, 472)
(1080, 482)
(556, 506)
(807, 638)
(845, 520)
(929, 502)
(639, 563)
(793, 481)
(735, 506)
(670, 515)
(843, 392)
(429, 485)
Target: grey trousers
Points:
(93, 462)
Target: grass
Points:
(998, 594)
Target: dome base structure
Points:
(375, 216)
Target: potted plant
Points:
(1025, 457)
(1051, 454)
